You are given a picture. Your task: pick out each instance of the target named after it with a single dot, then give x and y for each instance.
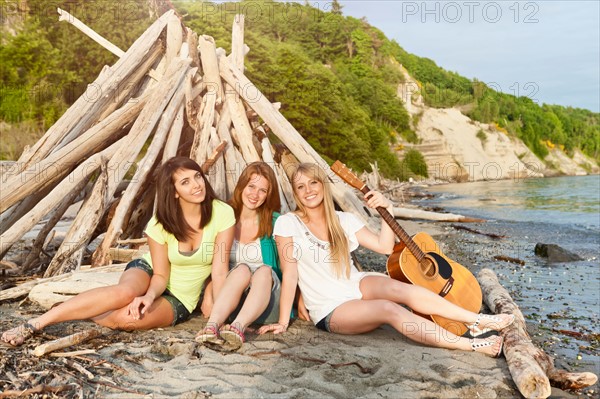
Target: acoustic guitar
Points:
(418, 260)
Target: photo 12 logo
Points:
(89, 11)
(470, 11)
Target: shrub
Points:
(414, 161)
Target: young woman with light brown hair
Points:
(250, 293)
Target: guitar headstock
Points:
(347, 175)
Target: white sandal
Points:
(476, 331)
(477, 346)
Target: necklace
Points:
(310, 236)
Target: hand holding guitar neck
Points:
(376, 200)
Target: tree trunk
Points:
(205, 124)
(237, 42)
(68, 256)
(242, 126)
(174, 38)
(210, 66)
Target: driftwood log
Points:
(67, 341)
(22, 290)
(532, 369)
(52, 200)
(141, 180)
(284, 130)
(409, 213)
(59, 163)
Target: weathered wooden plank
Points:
(210, 67)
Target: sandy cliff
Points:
(457, 148)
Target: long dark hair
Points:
(168, 210)
(272, 202)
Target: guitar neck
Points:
(397, 229)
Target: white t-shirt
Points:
(249, 254)
(321, 289)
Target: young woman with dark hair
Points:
(189, 238)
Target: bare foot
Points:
(18, 335)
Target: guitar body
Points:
(438, 274)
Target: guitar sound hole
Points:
(428, 267)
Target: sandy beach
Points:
(304, 362)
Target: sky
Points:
(546, 50)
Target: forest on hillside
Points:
(335, 76)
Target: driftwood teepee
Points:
(172, 92)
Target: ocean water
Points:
(571, 201)
(557, 299)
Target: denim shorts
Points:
(325, 323)
(180, 312)
(271, 313)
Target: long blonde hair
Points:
(338, 241)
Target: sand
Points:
(302, 363)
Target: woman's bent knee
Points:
(126, 293)
(241, 270)
(390, 307)
(263, 273)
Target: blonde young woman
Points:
(189, 238)
(250, 293)
(314, 244)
